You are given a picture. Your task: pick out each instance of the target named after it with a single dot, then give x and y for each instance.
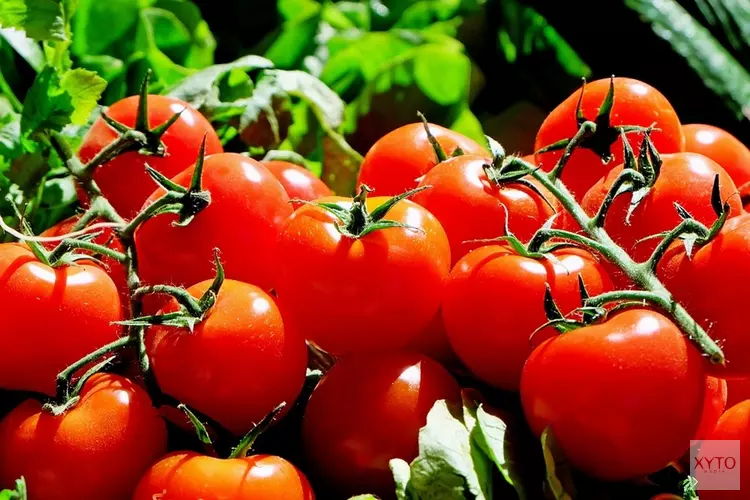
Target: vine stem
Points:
(641, 274)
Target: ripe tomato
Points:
(714, 405)
(699, 283)
(385, 286)
(494, 301)
(635, 103)
(367, 410)
(623, 398)
(722, 147)
(243, 328)
(734, 424)
(97, 449)
(298, 182)
(52, 317)
(433, 342)
(738, 390)
(685, 178)
(400, 158)
(248, 207)
(187, 475)
(470, 206)
(124, 180)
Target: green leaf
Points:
(297, 36)
(402, 478)
(559, 478)
(11, 145)
(442, 74)
(329, 105)
(19, 493)
(98, 24)
(492, 436)
(720, 71)
(25, 46)
(40, 19)
(468, 124)
(168, 31)
(84, 88)
(46, 104)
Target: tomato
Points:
(243, 328)
(494, 301)
(734, 424)
(701, 284)
(124, 180)
(375, 291)
(396, 162)
(738, 390)
(432, 341)
(623, 398)
(185, 475)
(367, 410)
(722, 147)
(97, 449)
(470, 206)
(685, 178)
(247, 210)
(298, 182)
(713, 406)
(635, 103)
(52, 317)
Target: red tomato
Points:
(400, 158)
(433, 342)
(623, 398)
(701, 284)
(248, 208)
(733, 425)
(298, 182)
(722, 147)
(367, 410)
(635, 103)
(124, 180)
(494, 301)
(384, 287)
(685, 178)
(738, 390)
(471, 207)
(52, 317)
(713, 406)
(243, 328)
(185, 475)
(97, 449)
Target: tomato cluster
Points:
(207, 288)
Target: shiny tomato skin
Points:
(733, 425)
(367, 410)
(470, 207)
(685, 178)
(97, 449)
(699, 283)
(186, 475)
(714, 405)
(722, 147)
(385, 287)
(124, 180)
(623, 398)
(494, 301)
(299, 183)
(243, 328)
(433, 342)
(397, 161)
(248, 208)
(635, 103)
(51, 317)
(738, 390)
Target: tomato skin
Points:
(470, 207)
(685, 178)
(186, 475)
(494, 301)
(51, 317)
(98, 449)
(623, 398)
(396, 162)
(248, 207)
(367, 410)
(635, 103)
(124, 180)
(714, 405)
(699, 283)
(298, 182)
(722, 147)
(385, 286)
(243, 328)
(738, 390)
(734, 424)
(433, 342)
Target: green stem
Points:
(659, 299)
(246, 443)
(168, 199)
(10, 95)
(66, 245)
(544, 235)
(627, 176)
(128, 141)
(685, 227)
(586, 130)
(180, 294)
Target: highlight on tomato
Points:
(722, 147)
(298, 182)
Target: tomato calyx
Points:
(19, 492)
(357, 221)
(440, 153)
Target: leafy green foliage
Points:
(40, 19)
(18, 493)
